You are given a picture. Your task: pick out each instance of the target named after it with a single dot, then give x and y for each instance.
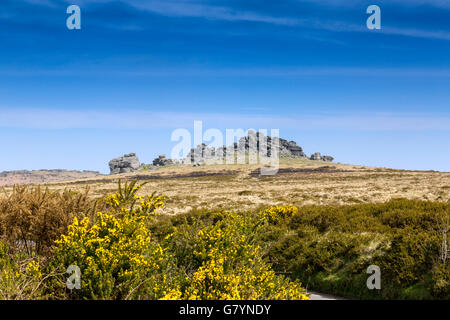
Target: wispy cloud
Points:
(47, 3)
(404, 3)
(211, 11)
(138, 119)
(342, 26)
(204, 9)
(292, 71)
(439, 35)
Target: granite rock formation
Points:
(254, 143)
(162, 161)
(318, 157)
(126, 164)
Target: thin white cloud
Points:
(47, 3)
(207, 10)
(292, 71)
(137, 119)
(192, 9)
(438, 35)
(341, 26)
(177, 8)
(445, 4)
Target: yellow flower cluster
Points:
(125, 201)
(233, 268)
(276, 214)
(118, 259)
(18, 280)
(33, 269)
(114, 253)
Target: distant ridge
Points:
(9, 178)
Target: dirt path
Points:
(322, 296)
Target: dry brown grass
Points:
(300, 182)
(32, 218)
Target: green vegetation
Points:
(329, 248)
(120, 259)
(126, 250)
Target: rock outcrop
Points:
(162, 161)
(318, 157)
(327, 158)
(254, 143)
(127, 163)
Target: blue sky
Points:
(139, 69)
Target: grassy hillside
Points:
(299, 182)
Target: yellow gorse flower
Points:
(233, 268)
(275, 214)
(115, 249)
(118, 258)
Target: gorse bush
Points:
(126, 250)
(115, 253)
(119, 260)
(277, 214)
(31, 219)
(19, 279)
(115, 256)
(126, 201)
(225, 263)
(330, 248)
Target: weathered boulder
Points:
(127, 163)
(295, 150)
(162, 161)
(327, 158)
(316, 156)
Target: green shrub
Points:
(115, 253)
(126, 251)
(222, 262)
(334, 245)
(278, 214)
(196, 260)
(440, 286)
(20, 278)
